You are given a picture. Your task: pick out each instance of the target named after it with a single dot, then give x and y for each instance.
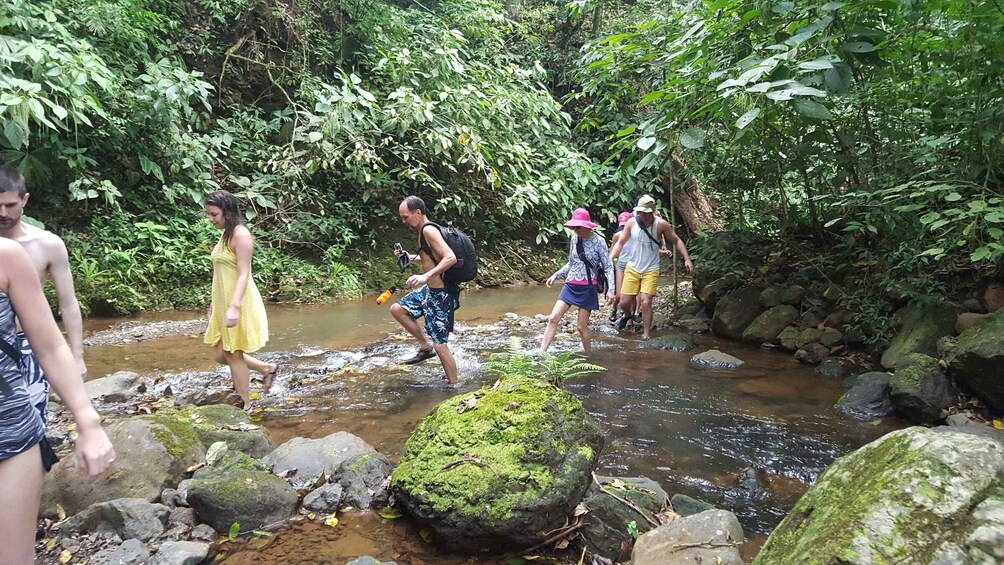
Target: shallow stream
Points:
(692, 430)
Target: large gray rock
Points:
(128, 518)
(770, 297)
(363, 480)
(917, 496)
(788, 338)
(118, 387)
(766, 327)
(499, 467)
(977, 361)
(807, 336)
(152, 453)
(812, 353)
(670, 342)
(924, 323)
(793, 295)
(735, 312)
(325, 499)
(131, 552)
(240, 489)
(697, 534)
(869, 398)
(711, 293)
(606, 532)
(920, 390)
(716, 360)
(311, 458)
(180, 553)
(688, 506)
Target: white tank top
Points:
(625, 256)
(645, 252)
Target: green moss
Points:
(487, 460)
(177, 435)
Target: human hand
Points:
(94, 452)
(233, 316)
(665, 251)
(417, 280)
(611, 299)
(549, 281)
(689, 265)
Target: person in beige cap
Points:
(646, 231)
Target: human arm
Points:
(603, 259)
(434, 239)
(681, 248)
(242, 244)
(94, 450)
(618, 244)
(69, 309)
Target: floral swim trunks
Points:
(437, 305)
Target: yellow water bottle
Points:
(385, 295)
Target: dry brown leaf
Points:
(580, 510)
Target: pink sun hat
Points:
(580, 219)
(623, 218)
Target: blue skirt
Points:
(581, 295)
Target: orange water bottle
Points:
(385, 295)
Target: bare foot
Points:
(267, 378)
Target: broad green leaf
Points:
(14, 134)
(627, 131)
(858, 47)
(645, 143)
(980, 254)
(838, 78)
(817, 64)
(831, 6)
(933, 251)
(953, 197)
(747, 118)
(315, 136)
(995, 233)
(235, 530)
(693, 138)
(812, 109)
(929, 217)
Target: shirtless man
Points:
(48, 254)
(432, 298)
(649, 235)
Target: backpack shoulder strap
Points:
(580, 249)
(646, 232)
(424, 245)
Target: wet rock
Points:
(812, 354)
(152, 453)
(691, 309)
(944, 489)
(128, 518)
(171, 498)
(695, 325)
(809, 319)
(310, 458)
(662, 546)
(993, 298)
(208, 396)
(501, 474)
(793, 295)
(770, 297)
(977, 362)
(923, 324)
(834, 368)
(669, 343)
(716, 360)
(753, 483)
(920, 390)
(967, 320)
(687, 506)
(118, 387)
(766, 327)
(965, 424)
(364, 480)
(240, 489)
(854, 337)
(831, 337)
(324, 499)
(711, 293)
(221, 422)
(204, 532)
(367, 560)
(807, 336)
(131, 552)
(182, 517)
(607, 530)
(788, 338)
(835, 319)
(180, 553)
(974, 305)
(869, 398)
(735, 312)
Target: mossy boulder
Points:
(767, 326)
(496, 469)
(671, 342)
(918, 496)
(920, 390)
(239, 488)
(735, 312)
(712, 536)
(709, 294)
(869, 398)
(606, 532)
(924, 323)
(977, 361)
(221, 422)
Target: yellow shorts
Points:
(635, 281)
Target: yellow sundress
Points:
(251, 332)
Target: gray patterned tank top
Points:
(20, 425)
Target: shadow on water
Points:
(692, 430)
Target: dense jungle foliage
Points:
(861, 138)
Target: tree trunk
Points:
(695, 211)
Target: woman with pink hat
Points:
(622, 259)
(587, 273)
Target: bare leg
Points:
(560, 307)
(646, 315)
(410, 324)
(21, 479)
(627, 304)
(259, 366)
(584, 330)
(239, 374)
(449, 363)
(618, 281)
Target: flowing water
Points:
(692, 430)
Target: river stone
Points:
(180, 553)
(204, 532)
(229, 424)
(500, 474)
(716, 360)
(923, 324)
(834, 368)
(311, 458)
(831, 337)
(151, 453)
(993, 297)
(920, 390)
(238, 489)
(363, 480)
(669, 343)
(606, 532)
(967, 320)
(688, 506)
(118, 387)
(128, 518)
(182, 517)
(766, 327)
(961, 423)
(917, 496)
(793, 295)
(131, 552)
(812, 353)
(869, 398)
(206, 396)
(661, 545)
(711, 293)
(324, 500)
(770, 297)
(977, 363)
(807, 336)
(695, 325)
(788, 338)
(809, 319)
(735, 312)
(367, 560)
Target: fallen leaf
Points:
(580, 510)
(562, 544)
(60, 512)
(425, 535)
(331, 521)
(311, 516)
(469, 403)
(388, 513)
(65, 556)
(998, 424)
(617, 483)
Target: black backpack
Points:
(466, 267)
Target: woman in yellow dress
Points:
(237, 322)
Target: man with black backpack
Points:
(448, 259)
(641, 279)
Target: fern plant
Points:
(554, 369)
